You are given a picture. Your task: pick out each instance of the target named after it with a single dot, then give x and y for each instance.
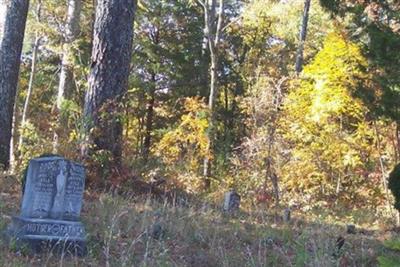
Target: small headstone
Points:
(157, 231)
(268, 241)
(51, 207)
(231, 201)
(351, 229)
(286, 215)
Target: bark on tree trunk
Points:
(108, 80)
(10, 56)
(303, 34)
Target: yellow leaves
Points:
(340, 61)
(351, 159)
(328, 83)
(187, 143)
(323, 121)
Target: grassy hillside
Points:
(138, 231)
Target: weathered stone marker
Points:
(231, 201)
(286, 215)
(351, 229)
(51, 208)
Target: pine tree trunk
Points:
(108, 80)
(66, 83)
(10, 56)
(303, 34)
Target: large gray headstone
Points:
(51, 206)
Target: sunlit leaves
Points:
(186, 143)
(324, 122)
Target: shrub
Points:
(394, 185)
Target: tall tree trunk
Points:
(30, 85)
(66, 83)
(33, 72)
(303, 34)
(108, 80)
(382, 166)
(10, 56)
(149, 119)
(397, 142)
(13, 159)
(269, 164)
(212, 31)
(211, 121)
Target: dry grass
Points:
(121, 233)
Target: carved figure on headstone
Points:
(58, 204)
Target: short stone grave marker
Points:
(231, 201)
(286, 215)
(51, 207)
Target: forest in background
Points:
(291, 103)
(287, 102)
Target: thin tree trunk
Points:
(397, 137)
(303, 34)
(338, 182)
(226, 106)
(71, 33)
(10, 56)
(149, 119)
(13, 139)
(270, 173)
(211, 121)
(66, 83)
(382, 167)
(212, 31)
(108, 80)
(32, 74)
(30, 87)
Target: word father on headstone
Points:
(51, 207)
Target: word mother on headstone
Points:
(51, 207)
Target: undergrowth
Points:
(139, 231)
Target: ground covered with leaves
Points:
(133, 230)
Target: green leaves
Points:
(390, 260)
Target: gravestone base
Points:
(41, 235)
